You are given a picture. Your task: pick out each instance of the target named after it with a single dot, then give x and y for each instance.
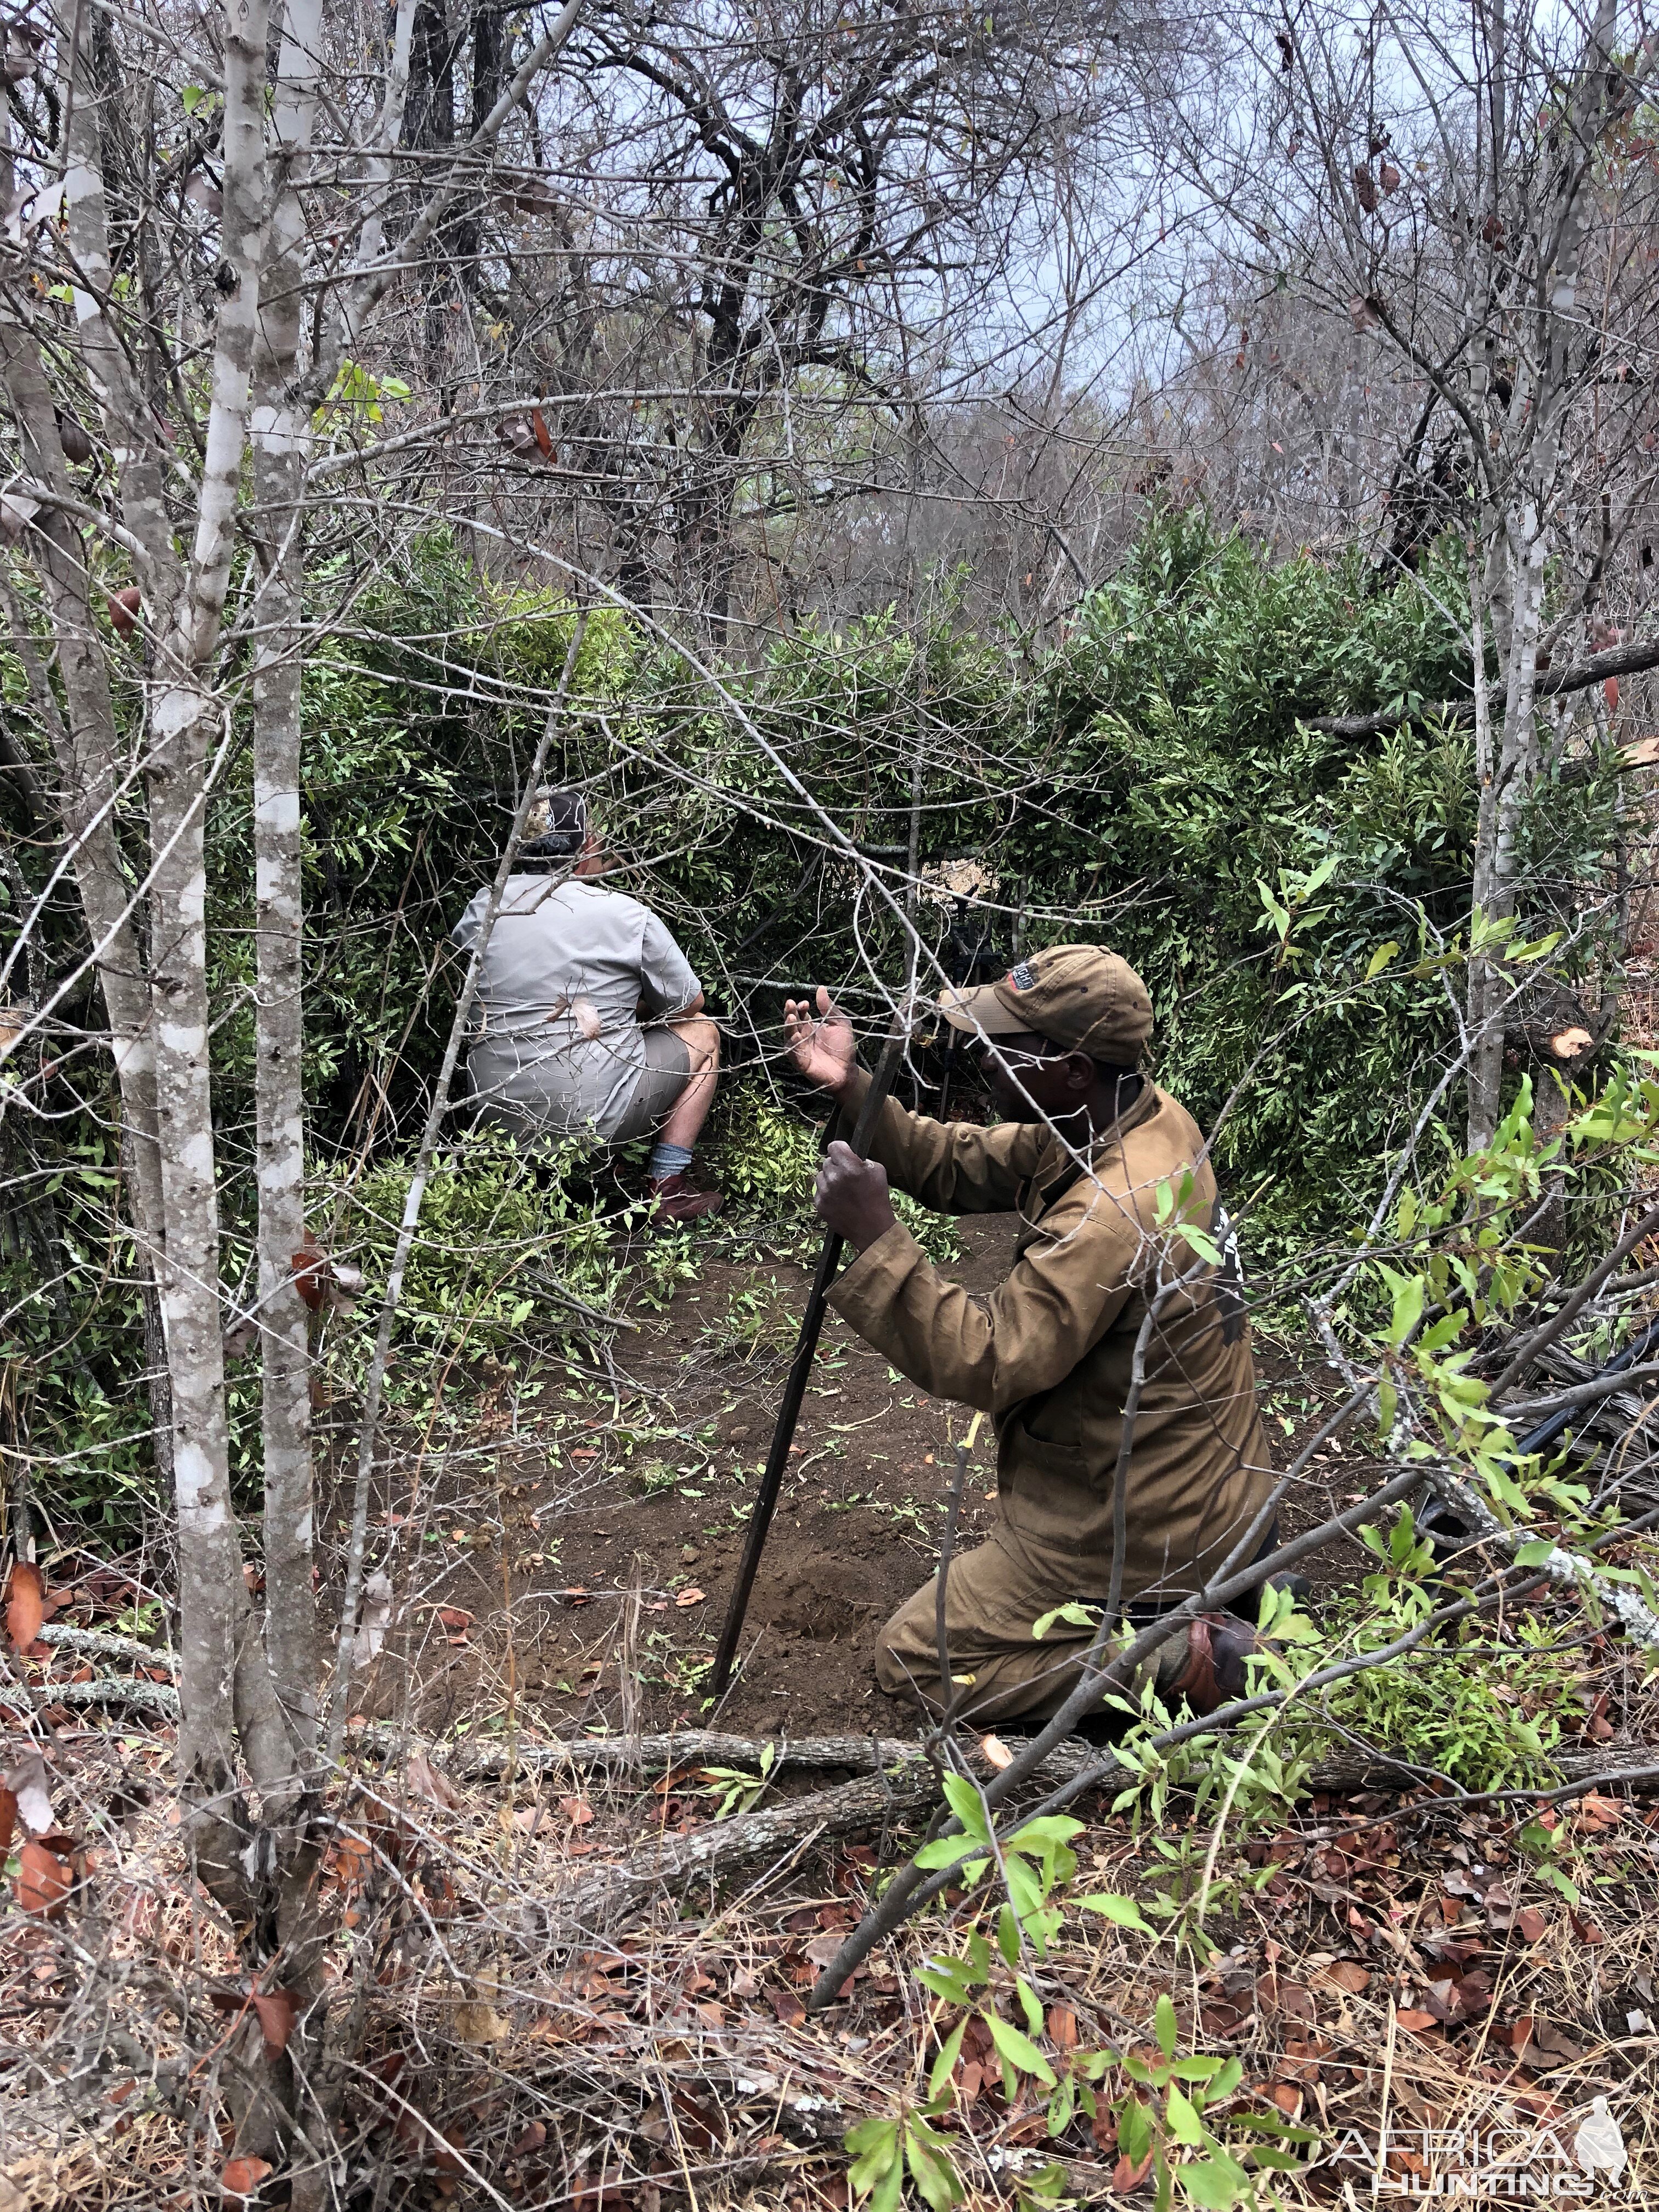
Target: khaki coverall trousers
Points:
(992, 1596)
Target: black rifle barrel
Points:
(800, 1371)
(1556, 1424)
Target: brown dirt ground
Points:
(576, 1522)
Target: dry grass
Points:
(509, 2059)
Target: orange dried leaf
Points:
(426, 1781)
(26, 1599)
(346, 1861)
(1348, 1974)
(278, 2010)
(44, 1880)
(576, 1810)
(124, 608)
(1062, 2027)
(1416, 2023)
(995, 1753)
(689, 1596)
(1596, 1812)
(241, 2177)
(309, 1267)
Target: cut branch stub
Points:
(125, 608)
(26, 1598)
(325, 1284)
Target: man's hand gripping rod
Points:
(812, 1322)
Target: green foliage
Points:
(885, 2151)
(72, 1325)
(737, 1790)
(1167, 2108)
(768, 1155)
(768, 1158)
(1035, 1859)
(1487, 1715)
(1297, 901)
(1178, 705)
(760, 1322)
(935, 1232)
(511, 1250)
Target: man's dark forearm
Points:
(952, 1167)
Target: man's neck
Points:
(1100, 1114)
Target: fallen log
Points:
(611, 1894)
(701, 1747)
(155, 1700)
(103, 1643)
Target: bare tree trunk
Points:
(376, 181)
(1523, 555)
(225, 1687)
(280, 447)
(1486, 1053)
(90, 773)
(279, 455)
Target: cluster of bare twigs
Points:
(688, 327)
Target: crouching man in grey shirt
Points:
(592, 1017)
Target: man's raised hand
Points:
(821, 1044)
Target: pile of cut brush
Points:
(606, 1973)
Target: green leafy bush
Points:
(1154, 785)
(513, 1250)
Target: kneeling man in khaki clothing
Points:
(1086, 1146)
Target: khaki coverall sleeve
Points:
(1064, 1293)
(953, 1167)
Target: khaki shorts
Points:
(545, 1093)
(666, 1072)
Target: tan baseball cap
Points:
(1075, 995)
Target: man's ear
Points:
(1079, 1072)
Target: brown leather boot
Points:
(675, 1198)
(1212, 1672)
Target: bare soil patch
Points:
(586, 1585)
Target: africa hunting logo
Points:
(1496, 2162)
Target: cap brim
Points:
(981, 1012)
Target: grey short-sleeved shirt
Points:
(569, 968)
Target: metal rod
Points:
(801, 1369)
